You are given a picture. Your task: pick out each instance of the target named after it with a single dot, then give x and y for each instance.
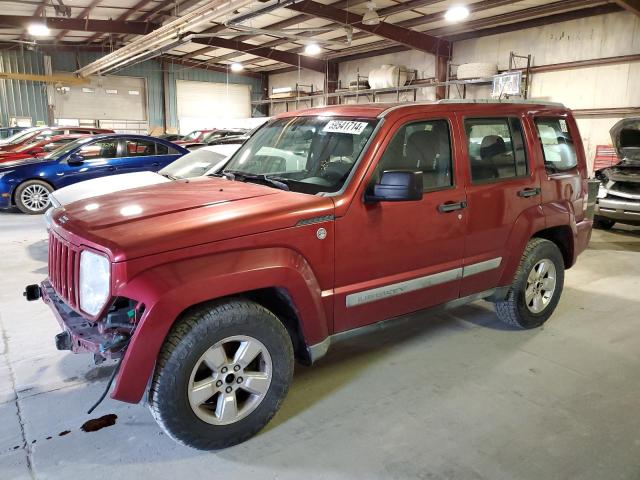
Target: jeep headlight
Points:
(602, 191)
(95, 281)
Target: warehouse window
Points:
(557, 145)
(496, 149)
(424, 146)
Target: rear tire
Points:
(32, 197)
(536, 288)
(206, 392)
(603, 223)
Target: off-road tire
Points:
(194, 333)
(513, 310)
(22, 187)
(602, 223)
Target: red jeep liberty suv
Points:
(324, 221)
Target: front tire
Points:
(536, 288)
(222, 374)
(32, 197)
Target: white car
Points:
(204, 161)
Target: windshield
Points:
(67, 147)
(16, 137)
(308, 154)
(192, 164)
(193, 135)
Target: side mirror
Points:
(75, 159)
(396, 186)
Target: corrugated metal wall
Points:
(29, 99)
(20, 98)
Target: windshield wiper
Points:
(260, 178)
(170, 177)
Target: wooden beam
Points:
(410, 38)
(632, 6)
(58, 78)
(83, 25)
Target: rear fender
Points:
(530, 220)
(168, 290)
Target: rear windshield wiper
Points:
(259, 178)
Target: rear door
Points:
(141, 154)
(501, 183)
(393, 258)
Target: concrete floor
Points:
(440, 396)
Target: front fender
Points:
(168, 290)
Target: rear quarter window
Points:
(557, 145)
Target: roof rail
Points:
(529, 101)
(459, 101)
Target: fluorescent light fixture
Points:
(236, 67)
(457, 13)
(312, 49)
(371, 16)
(38, 30)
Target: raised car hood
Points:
(180, 214)
(105, 185)
(625, 136)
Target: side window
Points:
(557, 145)
(161, 149)
(139, 148)
(496, 148)
(47, 133)
(102, 149)
(424, 146)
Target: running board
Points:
(319, 350)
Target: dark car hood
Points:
(173, 215)
(625, 136)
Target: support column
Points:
(441, 75)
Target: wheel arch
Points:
(15, 189)
(277, 278)
(562, 237)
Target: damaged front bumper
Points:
(78, 334)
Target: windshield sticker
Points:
(344, 126)
(563, 126)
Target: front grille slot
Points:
(63, 268)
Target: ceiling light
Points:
(237, 67)
(38, 30)
(456, 13)
(371, 16)
(312, 49)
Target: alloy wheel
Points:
(230, 380)
(541, 285)
(35, 197)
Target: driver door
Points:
(394, 258)
(98, 160)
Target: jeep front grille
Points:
(63, 269)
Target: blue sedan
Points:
(28, 183)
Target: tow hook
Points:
(32, 292)
(63, 341)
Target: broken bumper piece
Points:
(78, 334)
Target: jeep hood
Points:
(625, 136)
(174, 215)
(19, 163)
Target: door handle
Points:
(451, 206)
(111, 169)
(155, 164)
(529, 192)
